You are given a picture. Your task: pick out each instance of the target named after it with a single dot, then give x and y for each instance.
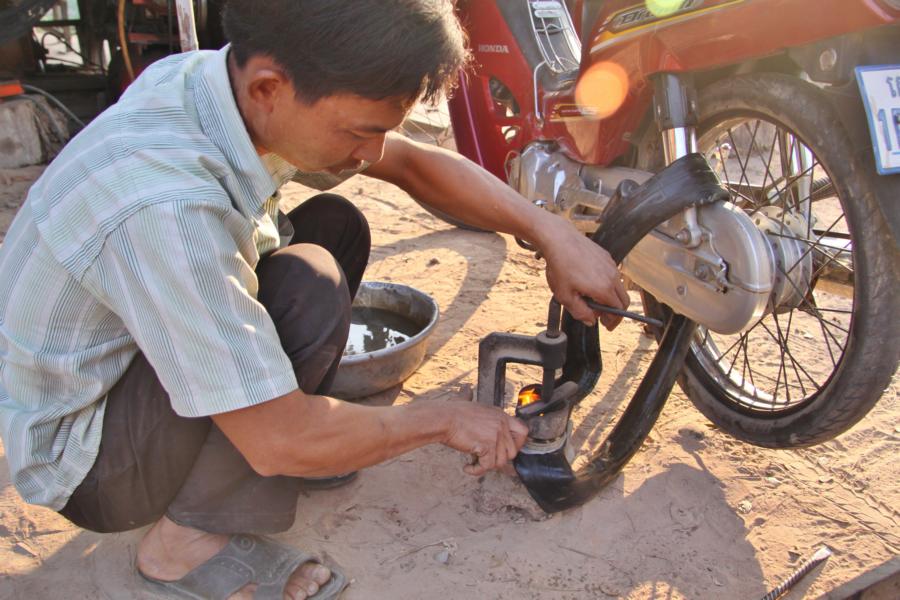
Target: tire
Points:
(826, 380)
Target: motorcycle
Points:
(738, 158)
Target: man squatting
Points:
(169, 336)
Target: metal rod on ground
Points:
(623, 313)
(820, 556)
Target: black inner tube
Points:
(632, 213)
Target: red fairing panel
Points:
(701, 34)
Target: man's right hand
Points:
(487, 433)
(307, 435)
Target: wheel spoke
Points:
(746, 333)
(835, 310)
(754, 145)
(737, 353)
(722, 162)
(785, 345)
(794, 363)
(790, 180)
(832, 260)
(827, 343)
(810, 249)
(741, 163)
(822, 248)
(813, 310)
(749, 369)
(780, 368)
(768, 174)
(744, 366)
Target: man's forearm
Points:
(312, 436)
(454, 185)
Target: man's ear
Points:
(266, 83)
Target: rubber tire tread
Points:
(871, 355)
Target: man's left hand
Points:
(578, 267)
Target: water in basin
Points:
(376, 328)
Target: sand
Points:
(695, 514)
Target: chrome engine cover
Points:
(725, 283)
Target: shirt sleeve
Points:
(176, 275)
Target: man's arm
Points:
(305, 435)
(452, 184)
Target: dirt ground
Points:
(696, 514)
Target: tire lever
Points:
(623, 313)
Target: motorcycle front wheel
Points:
(816, 364)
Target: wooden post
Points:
(187, 25)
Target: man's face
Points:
(335, 133)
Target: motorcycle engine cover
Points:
(723, 284)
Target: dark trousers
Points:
(153, 462)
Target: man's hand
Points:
(578, 267)
(490, 435)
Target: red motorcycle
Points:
(767, 235)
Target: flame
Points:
(602, 88)
(663, 8)
(529, 394)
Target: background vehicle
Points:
(85, 52)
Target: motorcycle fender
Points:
(873, 47)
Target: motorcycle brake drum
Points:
(786, 232)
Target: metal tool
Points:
(624, 313)
(820, 556)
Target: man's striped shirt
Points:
(143, 234)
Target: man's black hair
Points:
(375, 49)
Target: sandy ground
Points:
(696, 514)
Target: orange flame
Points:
(529, 395)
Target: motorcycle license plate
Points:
(880, 90)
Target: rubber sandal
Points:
(246, 559)
(328, 483)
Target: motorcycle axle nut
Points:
(828, 59)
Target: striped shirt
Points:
(143, 234)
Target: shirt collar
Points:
(221, 121)
(281, 170)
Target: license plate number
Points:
(880, 90)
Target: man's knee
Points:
(337, 208)
(299, 272)
(304, 290)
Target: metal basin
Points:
(378, 369)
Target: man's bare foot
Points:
(169, 552)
